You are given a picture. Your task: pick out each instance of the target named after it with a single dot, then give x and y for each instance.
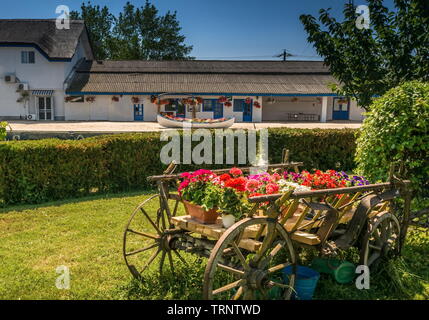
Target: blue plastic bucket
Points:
(305, 281)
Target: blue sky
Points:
(218, 29)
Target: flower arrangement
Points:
(154, 99)
(248, 100)
(135, 100)
(257, 105)
(228, 104)
(115, 99)
(90, 99)
(229, 193)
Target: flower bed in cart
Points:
(207, 195)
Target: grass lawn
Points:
(86, 236)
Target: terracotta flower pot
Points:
(201, 215)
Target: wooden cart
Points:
(246, 260)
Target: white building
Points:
(36, 58)
(50, 74)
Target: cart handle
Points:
(325, 192)
(220, 171)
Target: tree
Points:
(136, 34)
(397, 129)
(99, 22)
(368, 62)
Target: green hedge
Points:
(44, 170)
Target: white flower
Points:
(285, 186)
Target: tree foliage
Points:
(397, 129)
(137, 33)
(368, 62)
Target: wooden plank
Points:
(306, 238)
(215, 231)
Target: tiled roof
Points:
(55, 43)
(201, 83)
(205, 66)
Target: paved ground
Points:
(105, 126)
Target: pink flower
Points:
(185, 175)
(236, 172)
(183, 185)
(276, 177)
(252, 185)
(272, 188)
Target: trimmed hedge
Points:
(45, 170)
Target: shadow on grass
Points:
(185, 284)
(23, 207)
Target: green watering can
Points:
(342, 271)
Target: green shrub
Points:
(397, 128)
(44, 170)
(3, 133)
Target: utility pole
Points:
(284, 55)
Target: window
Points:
(28, 57)
(208, 105)
(238, 105)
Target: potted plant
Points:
(200, 195)
(135, 100)
(115, 99)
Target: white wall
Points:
(43, 74)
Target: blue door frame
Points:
(138, 112)
(340, 111)
(247, 111)
(217, 110)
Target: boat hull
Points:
(169, 123)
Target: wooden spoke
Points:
(170, 260)
(230, 269)
(144, 234)
(378, 248)
(276, 284)
(150, 221)
(374, 256)
(240, 255)
(272, 254)
(141, 250)
(161, 262)
(180, 257)
(278, 267)
(150, 260)
(228, 287)
(238, 294)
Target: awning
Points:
(43, 93)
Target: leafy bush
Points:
(51, 169)
(397, 128)
(3, 132)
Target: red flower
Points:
(272, 188)
(238, 184)
(225, 177)
(236, 172)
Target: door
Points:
(45, 108)
(341, 109)
(247, 111)
(138, 112)
(217, 110)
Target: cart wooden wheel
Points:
(381, 239)
(235, 273)
(147, 238)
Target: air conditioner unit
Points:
(10, 78)
(23, 87)
(31, 117)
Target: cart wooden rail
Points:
(246, 260)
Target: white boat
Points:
(171, 123)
